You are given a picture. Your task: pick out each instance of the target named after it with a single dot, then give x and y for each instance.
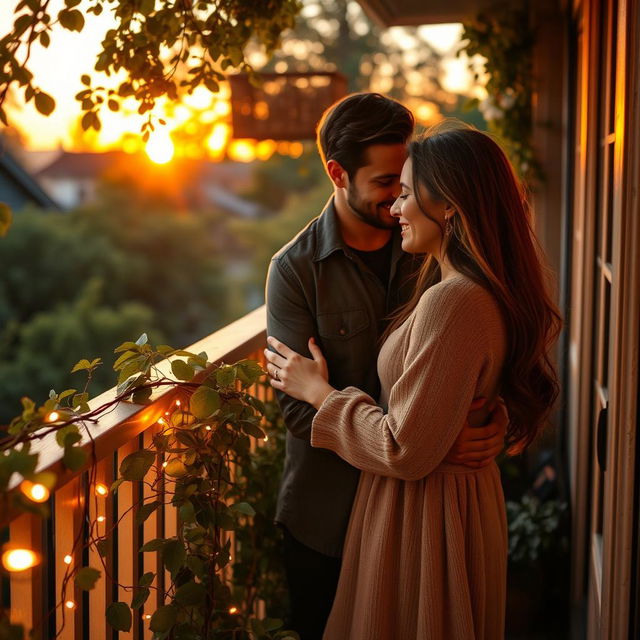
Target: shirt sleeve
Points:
(448, 349)
(290, 320)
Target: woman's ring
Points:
(275, 374)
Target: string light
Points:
(34, 491)
(178, 403)
(165, 463)
(16, 560)
(70, 604)
(266, 438)
(67, 559)
(101, 489)
(147, 616)
(53, 416)
(208, 427)
(233, 610)
(100, 518)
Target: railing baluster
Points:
(128, 539)
(26, 587)
(152, 528)
(69, 539)
(101, 517)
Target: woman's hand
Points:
(302, 378)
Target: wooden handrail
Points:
(127, 420)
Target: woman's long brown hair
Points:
(492, 243)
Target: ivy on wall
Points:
(504, 37)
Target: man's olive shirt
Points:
(318, 287)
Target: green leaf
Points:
(62, 433)
(126, 346)
(187, 512)
(136, 464)
(140, 597)
(141, 396)
(175, 468)
(86, 578)
(5, 219)
(145, 511)
(173, 555)
(204, 402)
(102, 546)
(119, 616)
(243, 507)
(123, 358)
(147, 578)
(226, 375)
(73, 457)
(71, 19)
(249, 372)
(157, 544)
(163, 618)
(190, 594)
(65, 394)
(45, 104)
(181, 370)
(81, 365)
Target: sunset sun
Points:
(160, 147)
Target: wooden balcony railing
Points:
(33, 593)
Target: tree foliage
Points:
(162, 48)
(75, 283)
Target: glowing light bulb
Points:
(266, 438)
(164, 464)
(208, 427)
(161, 420)
(70, 604)
(35, 491)
(147, 616)
(100, 518)
(101, 489)
(53, 416)
(16, 560)
(233, 610)
(67, 559)
(178, 403)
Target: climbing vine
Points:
(204, 463)
(504, 37)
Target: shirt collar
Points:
(330, 238)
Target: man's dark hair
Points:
(348, 127)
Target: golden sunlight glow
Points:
(219, 138)
(16, 560)
(160, 147)
(242, 150)
(428, 113)
(34, 491)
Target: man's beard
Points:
(368, 212)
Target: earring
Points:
(448, 227)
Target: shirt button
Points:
(343, 331)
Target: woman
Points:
(426, 550)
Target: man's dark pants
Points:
(312, 579)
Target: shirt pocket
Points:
(342, 325)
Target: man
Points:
(338, 281)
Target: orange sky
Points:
(58, 70)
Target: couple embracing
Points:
(410, 328)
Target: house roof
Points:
(81, 164)
(415, 12)
(24, 182)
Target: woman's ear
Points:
(337, 174)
